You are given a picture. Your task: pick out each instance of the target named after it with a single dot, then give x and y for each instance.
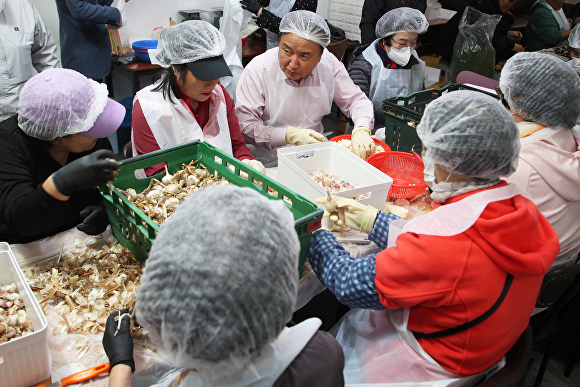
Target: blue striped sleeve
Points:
(351, 280)
(380, 232)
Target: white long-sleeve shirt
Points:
(265, 116)
(26, 47)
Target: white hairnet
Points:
(470, 134)
(574, 38)
(59, 102)
(307, 25)
(189, 41)
(221, 279)
(402, 19)
(541, 88)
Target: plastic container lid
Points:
(144, 44)
(349, 136)
(405, 170)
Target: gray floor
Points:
(554, 375)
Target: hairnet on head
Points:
(541, 88)
(574, 38)
(307, 25)
(221, 279)
(402, 19)
(470, 134)
(59, 102)
(189, 41)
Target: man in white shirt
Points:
(26, 47)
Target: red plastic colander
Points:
(405, 169)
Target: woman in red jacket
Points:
(452, 290)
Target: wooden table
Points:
(135, 71)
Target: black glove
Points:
(87, 172)
(119, 349)
(96, 220)
(251, 5)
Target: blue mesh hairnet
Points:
(306, 25)
(541, 88)
(470, 134)
(221, 279)
(401, 20)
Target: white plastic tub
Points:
(26, 360)
(296, 163)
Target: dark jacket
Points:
(27, 212)
(543, 30)
(271, 22)
(444, 40)
(319, 364)
(373, 10)
(83, 35)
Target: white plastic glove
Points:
(362, 143)
(258, 166)
(297, 136)
(349, 212)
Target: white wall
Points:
(142, 16)
(346, 15)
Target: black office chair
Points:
(557, 327)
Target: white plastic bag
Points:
(233, 21)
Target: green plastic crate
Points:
(137, 232)
(400, 111)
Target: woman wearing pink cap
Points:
(52, 155)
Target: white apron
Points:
(271, 363)
(233, 21)
(278, 8)
(174, 124)
(388, 83)
(301, 106)
(378, 347)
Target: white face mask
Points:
(429, 172)
(577, 64)
(400, 56)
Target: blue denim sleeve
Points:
(380, 232)
(351, 280)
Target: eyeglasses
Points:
(414, 45)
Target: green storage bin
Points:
(137, 232)
(403, 114)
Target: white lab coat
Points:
(26, 47)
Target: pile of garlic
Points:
(160, 199)
(14, 321)
(88, 283)
(348, 145)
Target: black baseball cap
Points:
(210, 68)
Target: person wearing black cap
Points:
(188, 103)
